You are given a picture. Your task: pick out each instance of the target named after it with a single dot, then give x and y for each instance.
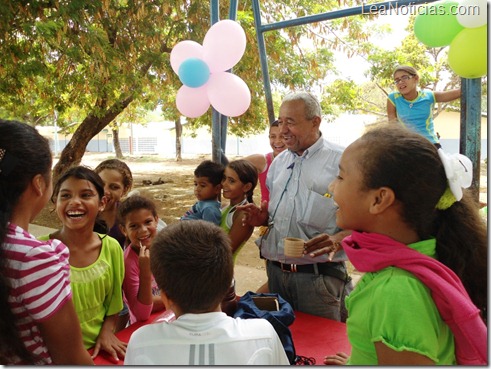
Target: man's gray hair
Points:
(312, 106)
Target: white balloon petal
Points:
(472, 13)
(228, 94)
(184, 50)
(223, 45)
(192, 102)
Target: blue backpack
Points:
(280, 320)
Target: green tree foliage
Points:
(89, 60)
(86, 60)
(102, 62)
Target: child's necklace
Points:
(412, 102)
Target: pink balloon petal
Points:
(228, 94)
(224, 45)
(192, 102)
(184, 50)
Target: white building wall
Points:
(159, 137)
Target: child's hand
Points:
(109, 343)
(339, 358)
(144, 260)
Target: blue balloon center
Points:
(194, 72)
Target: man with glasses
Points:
(414, 108)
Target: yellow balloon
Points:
(467, 55)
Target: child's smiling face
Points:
(78, 203)
(351, 199)
(140, 227)
(233, 188)
(276, 140)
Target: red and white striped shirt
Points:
(39, 276)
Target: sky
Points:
(355, 67)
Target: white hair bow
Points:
(458, 169)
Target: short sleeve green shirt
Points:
(97, 289)
(394, 307)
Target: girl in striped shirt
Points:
(39, 324)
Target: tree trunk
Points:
(74, 151)
(178, 139)
(117, 145)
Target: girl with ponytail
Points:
(419, 239)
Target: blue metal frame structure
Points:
(220, 121)
(470, 127)
(470, 116)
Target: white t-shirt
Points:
(206, 339)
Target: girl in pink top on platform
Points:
(39, 324)
(276, 142)
(263, 162)
(138, 221)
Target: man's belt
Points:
(328, 269)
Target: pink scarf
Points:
(371, 252)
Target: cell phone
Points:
(269, 303)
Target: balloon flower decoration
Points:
(202, 70)
(463, 26)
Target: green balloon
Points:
(436, 24)
(468, 53)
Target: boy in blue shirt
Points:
(207, 186)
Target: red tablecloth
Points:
(317, 337)
(313, 336)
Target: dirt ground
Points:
(173, 194)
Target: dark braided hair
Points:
(247, 173)
(119, 166)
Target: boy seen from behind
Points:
(192, 264)
(208, 177)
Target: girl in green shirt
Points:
(419, 239)
(96, 260)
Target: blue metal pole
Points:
(223, 118)
(214, 11)
(215, 116)
(232, 12)
(470, 128)
(263, 60)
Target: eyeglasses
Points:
(403, 78)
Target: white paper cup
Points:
(294, 247)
